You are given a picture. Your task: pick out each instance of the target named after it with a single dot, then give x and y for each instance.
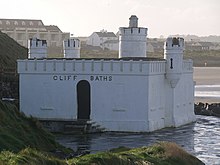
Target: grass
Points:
(18, 132)
(10, 51)
(162, 153)
(29, 156)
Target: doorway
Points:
(83, 100)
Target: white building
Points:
(111, 45)
(99, 38)
(132, 93)
(23, 29)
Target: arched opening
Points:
(83, 100)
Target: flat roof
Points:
(106, 59)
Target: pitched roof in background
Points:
(106, 34)
(53, 28)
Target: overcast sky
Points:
(82, 17)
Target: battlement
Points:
(91, 66)
(71, 48)
(37, 43)
(135, 31)
(37, 48)
(71, 43)
(174, 43)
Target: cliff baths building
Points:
(133, 93)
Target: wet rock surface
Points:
(212, 109)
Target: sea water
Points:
(201, 139)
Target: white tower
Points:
(71, 48)
(132, 39)
(173, 53)
(37, 48)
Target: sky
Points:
(83, 17)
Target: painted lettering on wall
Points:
(75, 77)
(64, 77)
(101, 78)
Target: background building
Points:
(23, 29)
(102, 38)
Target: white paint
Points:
(173, 53)
(132, 40)
(99, 38)
(71, 48)
(132, 95)
(37, 48)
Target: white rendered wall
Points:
(180, 99)
(173, 53)
(132, 39)
(37, 48)
(132, 42)
(114, 102)
(71, 48)
(156, 102)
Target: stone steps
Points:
(72, 127)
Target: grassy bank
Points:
(10, 51)
(163, 153)
(18, 132)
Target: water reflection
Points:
(201, 139)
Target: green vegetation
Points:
(163, 153)
(199, 57)
(10, 51)
(18, 132)
(29, 156)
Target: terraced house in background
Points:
(23, 29)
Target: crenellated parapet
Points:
(174, 43)
(37, 48)
(132, 39)
(71, 48)
(91, 66)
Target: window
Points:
(7, 23)
(23, 23)
(0, 22)
(15, 23)
(31, 23)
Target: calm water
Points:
(202, 139)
